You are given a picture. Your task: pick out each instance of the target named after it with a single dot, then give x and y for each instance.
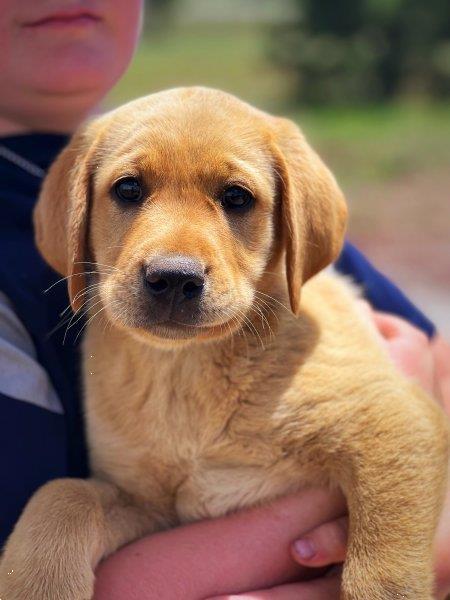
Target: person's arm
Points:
(241, 552)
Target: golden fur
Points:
(250, 400)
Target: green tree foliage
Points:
(353, 51)
(158, 13)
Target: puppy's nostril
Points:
(175, 279)
(157, 285)
(193, 288)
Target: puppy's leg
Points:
(393, 469)
(67, 527)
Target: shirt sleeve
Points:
(379, 290)
(33, 430)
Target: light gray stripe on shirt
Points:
(21, 376)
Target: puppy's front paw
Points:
(52, 552)
(26, 578)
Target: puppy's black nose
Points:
(177, 277)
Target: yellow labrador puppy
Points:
(205, 219)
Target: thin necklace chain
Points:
(21, 162)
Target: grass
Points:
(380, 143)
(374, 144)
(233, 58)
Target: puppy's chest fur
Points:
(215, 427)
(197, 433)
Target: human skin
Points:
(58, 58)
(52, 76)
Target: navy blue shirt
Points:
(379, 290)
(38, 444)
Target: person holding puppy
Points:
(57, 62)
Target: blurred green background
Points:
(369, 83)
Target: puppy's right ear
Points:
(60, 216)
(314, 213)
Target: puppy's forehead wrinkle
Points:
(199, 125)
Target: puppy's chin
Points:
(171, 335)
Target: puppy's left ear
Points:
(313, 208)
(61, 214)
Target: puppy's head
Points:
(177, 204)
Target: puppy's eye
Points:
(236, 198)
(128, 189)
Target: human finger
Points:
(325, 545)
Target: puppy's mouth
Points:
(171, 329)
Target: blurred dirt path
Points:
(403, 226)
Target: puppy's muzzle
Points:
(175, 285)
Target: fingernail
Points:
(304, 548)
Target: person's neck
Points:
(62, 124)
(11, 127)
(8, 127)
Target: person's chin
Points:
(73, 65)
(75, 75)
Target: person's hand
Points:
(441, 353)
(409, 349)
(428, 362)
